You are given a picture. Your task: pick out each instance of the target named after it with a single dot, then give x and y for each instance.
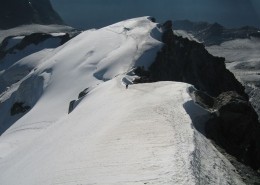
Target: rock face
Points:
(214, 34)
(18, 108)
(188, 61)
(19, 12)
(233, 125)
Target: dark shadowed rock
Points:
(168, 34)
(202, 98)
(152, 19)
(71, 106)
(18, 108)
(143, 75)
(233, 125)
(19, 12)
(167, 25)
(188, 61)
(34, 38)
(83, 93)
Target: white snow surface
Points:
(184, 34)
(242, 58)
(114, 136)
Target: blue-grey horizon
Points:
(86, 14)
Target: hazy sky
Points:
(97, 13)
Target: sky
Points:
(86, 14)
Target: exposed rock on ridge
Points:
(34, 38)
(234, 123)
(188, 61)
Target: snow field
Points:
(114, 136)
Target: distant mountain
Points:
(215, 34)
(19, 12)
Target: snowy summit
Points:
(112, 135)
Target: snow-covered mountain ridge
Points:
(140, 135)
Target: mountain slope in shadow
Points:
(19, 12)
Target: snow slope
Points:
(242, 57)
(140, 135)
(184, 34)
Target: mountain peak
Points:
(117, 129)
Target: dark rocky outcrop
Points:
(19, 12)
(71, 106)
(233, 125)
(188, 61)
(202, 98)
(83, 93)
(19, 107)
(152, 19)
(34, 38)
